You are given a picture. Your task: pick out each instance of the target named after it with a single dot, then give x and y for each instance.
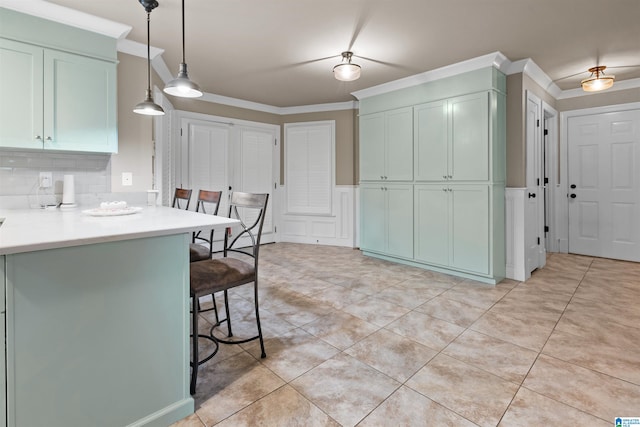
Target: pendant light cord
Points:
(183, 32)
(148, 52)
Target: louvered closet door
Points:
(207, 158)
(254, 171)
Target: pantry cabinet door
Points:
(399, 145)
(469, 248)
(372, 147)
(399, 220)
(432, 224)
(372, 214)
(469, 137)
(430, 129)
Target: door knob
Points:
(532, 195)
(573, 196)
(573, 186)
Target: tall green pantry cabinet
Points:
(444, 209)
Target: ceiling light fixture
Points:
(597, 81)
(346, 71)
(181, 85)
(148, 106)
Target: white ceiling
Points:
(281, 52)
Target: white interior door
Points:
(604, 185)
(534, 201)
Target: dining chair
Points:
(181, 198)
(208, 202)
(221, 274)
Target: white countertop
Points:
(31, 230)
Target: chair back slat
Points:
(180, 197)
(252, 201)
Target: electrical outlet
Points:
(127, 179)
(46, 179)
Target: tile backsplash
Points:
(20, 174)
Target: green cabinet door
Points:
(372, 147)
(469, 241)
(399, 145)
(373, 218)
(80, 103)
(20, 95)
(432, 223)
(399, 200)
(431, 149)
(469, 137)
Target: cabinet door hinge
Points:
(538, 123)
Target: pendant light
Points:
(148, 106)
(181, 85)
(346, 71)
(597, 81)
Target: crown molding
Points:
(138, 49)
(495, 59)
(64, 15)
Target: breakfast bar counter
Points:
(97, 316)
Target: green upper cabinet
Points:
(56, 100)
(58, 86)
(452, 139)
(386, 141)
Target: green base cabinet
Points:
(387, 217)
(458, 168)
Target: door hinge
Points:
(546, 228)
(546, 180)
(538, 240)
(538, 123)
(546, 132)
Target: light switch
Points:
(127, 179)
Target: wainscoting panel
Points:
(337, 229)
(514, 233)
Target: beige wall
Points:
(599, 100)
(135, 145)
(515, 132)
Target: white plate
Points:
(112, 212)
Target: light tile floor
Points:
(352, 340)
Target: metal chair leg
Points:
(255, 287)
(226, 307)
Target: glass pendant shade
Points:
(597, 81)
(182, 86)
(346, 71)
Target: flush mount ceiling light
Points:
(346, 71)
(181, 85)
(148, 106)
(597, 81)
